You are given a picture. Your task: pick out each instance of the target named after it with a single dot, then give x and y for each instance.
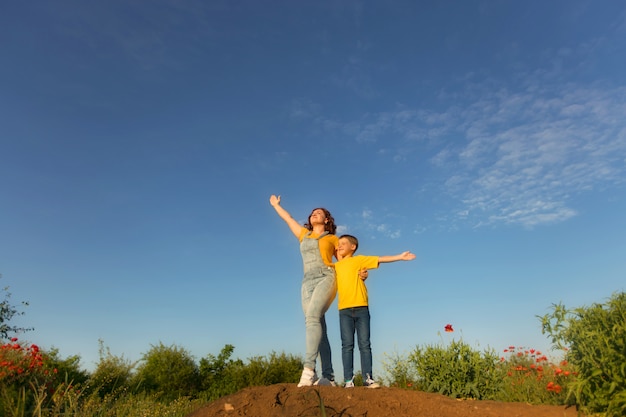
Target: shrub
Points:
(218, 374)
(400, 373)
(456, 370)
(222, 375)
(68, 369)
(596, 338)
(530, 377)
(33, 381)
(277, 368)
(169, 372)
(112, 375)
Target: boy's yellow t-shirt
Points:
(350, 287)
(328, 244)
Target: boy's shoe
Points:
(308, 378)
(325, 382)
(370, 383)
(349, 383)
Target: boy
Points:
(353, 306)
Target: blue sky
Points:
(140, 142)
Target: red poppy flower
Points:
(448, 328)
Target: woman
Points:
(318, 244)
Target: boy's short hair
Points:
(352, 240)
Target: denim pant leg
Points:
(346, 327)
(362, 325)
(317, 296)
(326, 358)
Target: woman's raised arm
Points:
(294, 226)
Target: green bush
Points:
(596, 338)
(456, 370)
(68, 369)
(222, 375)
(399, 371)
(277, 368)
(112, 376)
(169, 372)
(218, 374)
(530, 377)
(33, 381)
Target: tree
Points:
(7, 312)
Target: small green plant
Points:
(321, 404)
(596, 338)
(400, 373)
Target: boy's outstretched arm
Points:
(404, 256)
(293, 225)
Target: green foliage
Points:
(530, 377)
(456, 370)
(400, 372)
(277, 368)
(169, 372)
(222, 375)
(7, 312)
(168, 382)
(218, 373)
(596, 337)
(67, 369)
(33, 381)
(112, 375)
(139, 404)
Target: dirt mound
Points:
(290, 401)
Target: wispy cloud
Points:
(369, 221)
(514, 154)
(302, 108)
(527, 153)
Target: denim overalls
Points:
(319, 287)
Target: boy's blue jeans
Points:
(351, 320)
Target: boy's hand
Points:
(274, 200)
(363, 274)
(407, 256)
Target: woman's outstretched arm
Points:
(293, 225)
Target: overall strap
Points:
(317, 238)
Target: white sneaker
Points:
(370, 383)
(349, 383)
(308, 378)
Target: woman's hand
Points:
(363, 274)
(274, 200)
(294, 226)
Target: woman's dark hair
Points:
(330, 226)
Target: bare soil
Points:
(289, 400)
